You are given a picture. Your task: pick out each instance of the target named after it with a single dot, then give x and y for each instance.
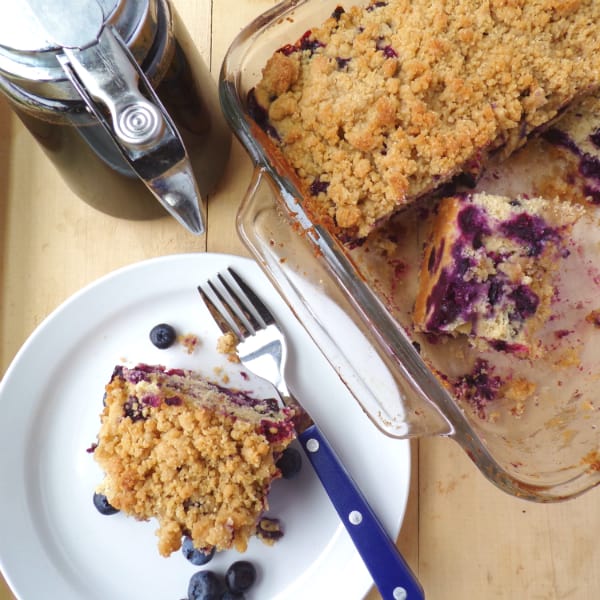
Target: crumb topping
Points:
(379, 105)
(227, 344)
(197, 457)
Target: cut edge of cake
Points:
(488, 269)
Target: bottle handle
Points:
(109, 80)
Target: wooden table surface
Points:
(462, 536)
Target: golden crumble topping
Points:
(194, 456)
(379, 105)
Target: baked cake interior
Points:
(489, 269)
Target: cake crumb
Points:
(189, 341)
(594, 317)
(227, 344)
(269, 530)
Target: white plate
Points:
(53, 542)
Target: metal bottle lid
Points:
(91, 50)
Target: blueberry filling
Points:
(305, 43)
(526, 302)
(342, 63)
(495, 291)
(375, 5)
(387, 49)
(338, 12)
(473, 224)
(589, 165)
(530, 230)
(318, 186)
(260, 116)
(451, 297)
(134, 409)
(560, 138)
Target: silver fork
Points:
(262, 349)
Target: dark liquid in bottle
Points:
(90, 161)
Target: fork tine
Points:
(252, 299)
(243, 305)
(225, 324)
(230, 311)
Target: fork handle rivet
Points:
(312, 445)
(355, 517)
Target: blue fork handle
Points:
(390, 572)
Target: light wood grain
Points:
(465, 538)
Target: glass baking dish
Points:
(356, 302)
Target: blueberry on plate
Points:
(196, 556)
(289, 463)
(229, 595)
(103, 506)
(240, 576)
(163, 335)
(204, 585)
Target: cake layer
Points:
(381, 104)
(489, 267)
(198, 457)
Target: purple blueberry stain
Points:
(589, 165)
(479, 387)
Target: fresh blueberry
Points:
(103, 505)
(240, 576)
(229, 595)
(195, 556)
(205, 585)
(289, 463)
(163, 335)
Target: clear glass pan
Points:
(356, 303)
